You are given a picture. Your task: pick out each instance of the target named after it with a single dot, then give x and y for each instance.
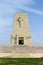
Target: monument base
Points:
(21, 51)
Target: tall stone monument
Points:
(21, 33)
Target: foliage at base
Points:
(21, 61)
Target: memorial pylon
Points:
(21, 33)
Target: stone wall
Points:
(21, 51)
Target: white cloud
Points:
(10, 7)
(32, 10)
(19, 1)
(20, 4)
(35, 11)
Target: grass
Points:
(21, 61)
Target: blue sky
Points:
(34, 8)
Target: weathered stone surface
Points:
(21, 30)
